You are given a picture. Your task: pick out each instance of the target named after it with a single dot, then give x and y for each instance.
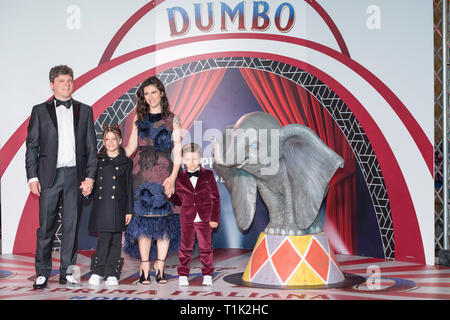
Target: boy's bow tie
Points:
(193, 174)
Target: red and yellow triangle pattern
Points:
(292, 261)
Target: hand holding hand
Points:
(86, 186)
(169, 186)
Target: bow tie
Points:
(66, 104)
(193, 174)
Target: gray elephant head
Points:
(290, 166)
(251, 145)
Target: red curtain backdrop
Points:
(187, 97)
(290, 103)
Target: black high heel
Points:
(145, 279)
(159, 276)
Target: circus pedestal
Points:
(290, 261)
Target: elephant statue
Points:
(290, 167)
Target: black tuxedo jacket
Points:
(42, 142)
(204, 198)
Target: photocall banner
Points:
(359, 73)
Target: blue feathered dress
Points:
(154, 216)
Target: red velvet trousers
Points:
(188, 231)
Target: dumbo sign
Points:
(180, 17)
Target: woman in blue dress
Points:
(155, 138)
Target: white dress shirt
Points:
(194, 183)
(66, 138)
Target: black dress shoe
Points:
(40, 285)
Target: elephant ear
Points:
(242, 188)
(310, 165)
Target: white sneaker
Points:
(71, 279)
(183, 281)
(207, 281)
(95, 280)
(112, 281)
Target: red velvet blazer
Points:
(204, 198)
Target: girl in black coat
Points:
(112, 208)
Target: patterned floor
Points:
(386, 280)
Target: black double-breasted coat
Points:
(113, 193)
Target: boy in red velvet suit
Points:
(196, 191)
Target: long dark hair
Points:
(142, 107)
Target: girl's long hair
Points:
(142, 107)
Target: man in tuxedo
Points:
(60, 160)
